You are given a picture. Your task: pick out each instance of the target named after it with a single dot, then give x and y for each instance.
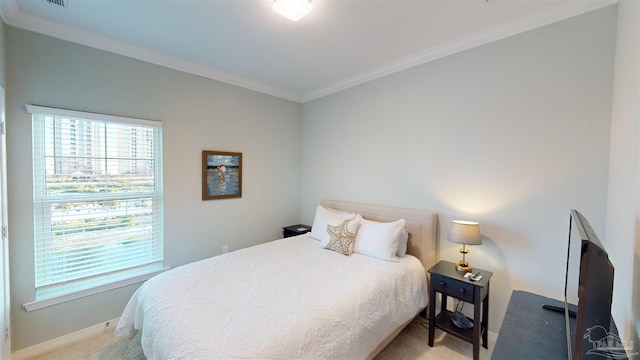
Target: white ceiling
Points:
(341, 43)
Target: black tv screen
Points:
(587, 258)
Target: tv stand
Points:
(558, 309)
(529, 331)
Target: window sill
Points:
(59, 299)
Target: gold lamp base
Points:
(463, 266)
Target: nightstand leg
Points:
(476, 325)
(485, 319)
(432, 316)
(443, 303)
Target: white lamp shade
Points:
(293, 10)
(465, 232)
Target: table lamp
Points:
(465, 233)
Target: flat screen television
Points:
(594, 289)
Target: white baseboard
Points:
(492, 336)
(49, 345)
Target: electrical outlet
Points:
(225, 249)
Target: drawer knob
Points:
(461, 291)
(442, 283)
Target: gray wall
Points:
(197, 113)
(512, 134)
(2, 56)
(622, 237)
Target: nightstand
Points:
(294, 230)
(448, 281)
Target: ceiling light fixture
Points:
(293, 10)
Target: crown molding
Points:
(11, 14)
(14, 17)
(568, 10)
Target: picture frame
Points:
(221, 175)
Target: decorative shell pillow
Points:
(341, 237)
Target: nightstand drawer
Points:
(448, 286)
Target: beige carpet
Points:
(410, 344)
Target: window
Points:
(97, 183)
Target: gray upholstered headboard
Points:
(421, 225)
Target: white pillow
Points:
(403, 239)
(326, 217)
(378, 239)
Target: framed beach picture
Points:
(221, 175)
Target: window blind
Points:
(97, 183)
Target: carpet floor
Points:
(410, 344)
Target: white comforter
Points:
(286, 299)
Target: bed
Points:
(290, 298)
